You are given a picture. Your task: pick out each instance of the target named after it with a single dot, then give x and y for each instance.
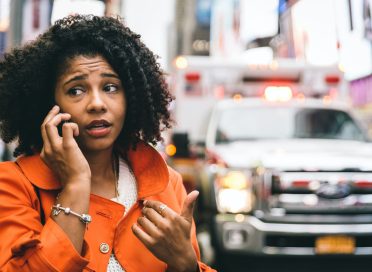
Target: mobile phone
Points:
(59, 126)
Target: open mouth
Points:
(98, 128)
(98, 124)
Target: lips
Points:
(98, 123)
(98, 128)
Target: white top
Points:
(127, 188)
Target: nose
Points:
(96, 102)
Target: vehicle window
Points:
(284, 122)
(327, 124)
(254, 123)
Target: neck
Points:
(101, 165)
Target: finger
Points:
(51, 127)
(148, 226)
(153, 216)
(53, 112)
(69, 131)
(146, 239)
(188, 205)
(160, 208)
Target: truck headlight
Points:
(234, 192)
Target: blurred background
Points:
(323, 33)
(333, 31)
(288, 182)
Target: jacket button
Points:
(104, 248)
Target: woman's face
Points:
(91, 91)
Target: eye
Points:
(75, 91)
(110, 88)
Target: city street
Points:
(297, 264)
(240, 126)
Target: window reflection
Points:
(283, 123)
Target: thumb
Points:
(188, 205)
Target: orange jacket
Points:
(27, 245)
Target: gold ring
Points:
(162, 207)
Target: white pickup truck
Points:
(282, 173)
(286, 178)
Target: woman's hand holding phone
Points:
(63, 155)
(61, 151)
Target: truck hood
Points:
(299, 154)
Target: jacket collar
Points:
(148, 166)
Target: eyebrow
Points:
(109, 75)
(81, 77)
(75, 78)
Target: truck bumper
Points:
(248, 234)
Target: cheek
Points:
(62, 103)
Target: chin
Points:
(97, 145)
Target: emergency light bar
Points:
(278, 93)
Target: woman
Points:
(87, 191)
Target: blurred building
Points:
(329, 32)
(193, 22)
(26, 19)
(340, 33)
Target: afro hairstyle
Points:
(28, 76)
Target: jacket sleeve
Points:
(27, 245)
(180, 191)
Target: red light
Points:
(192, 77)
(332, 79)
(363, 183)
(300, 183)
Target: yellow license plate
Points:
(335, 245)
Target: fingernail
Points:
(144, 202)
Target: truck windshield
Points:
(283, 123)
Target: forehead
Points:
(86, 64)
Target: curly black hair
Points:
(28, 76)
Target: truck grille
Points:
(321, 193)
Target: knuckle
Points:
(140, 220)
(173, 218)
(47, 151)
(145, 211)
(48, 125)
(162, 238)
(68, 145)
(153, 243)
(55, 147)
(169, 226)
